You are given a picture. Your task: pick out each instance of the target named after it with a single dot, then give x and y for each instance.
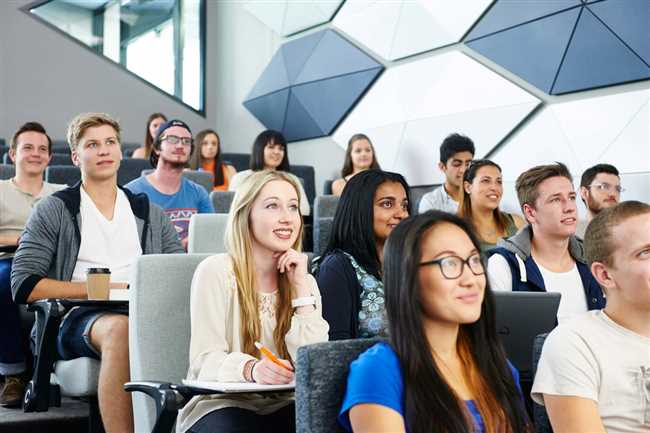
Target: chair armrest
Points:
(167, 400)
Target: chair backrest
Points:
(7, 171)
(221, 200)
(200, 177)
(322, 230)
(159, 324)
(241, 161)
(131, 168)
(64, 174)
(327, 187)
(206, 233)
(306, 173)
(61, 159)
(325, 206)
(321, 376)
(540, 417)
(416, 194)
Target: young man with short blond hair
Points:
(545, 256)
(93, 224)
(30, 150)
(594, 372)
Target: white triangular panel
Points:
(286, 17)
(630, 153)
(399, 28)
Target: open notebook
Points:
(235, 387)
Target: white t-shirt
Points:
(438, 199)
(569, 284)
(593, 357)
(113, 244)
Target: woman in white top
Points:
(359, 156)
(270, 153)
(259, 291)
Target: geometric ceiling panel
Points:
(612, 129)
(565, 46)
(287, 17)
(413, 107)
(401, 28)
(310, 84)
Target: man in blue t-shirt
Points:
(166, 186)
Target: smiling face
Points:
(209, 147)
(273, 155)
(486, 189)
(598, 199)
(554, 213)
(390, 207)
(31, 154)
(98, 153)
(275, 217)
(444, 300)
(361, 155)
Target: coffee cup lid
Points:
(98, 271)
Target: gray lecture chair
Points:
(159, 333)
(7, 171)
(63, 174)
(321, 377)
(325, 206)
(322, 231)
(221, 200)
(241, 161)
(416, 193)
(306, 173)
(327, 187)
(206, 233)
(131, 168)
(540, 417)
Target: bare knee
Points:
(111, 332)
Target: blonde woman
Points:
(259, 291)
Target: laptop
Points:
(520, 317)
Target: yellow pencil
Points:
(271, 356)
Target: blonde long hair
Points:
(239, 246)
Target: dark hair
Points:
(425, 389)
(352, 228)
(348, 167)
(528, 181)
(30, 127)
(198, 160)
(453, 144)
(261, 141)
(465, 205)
(148, 140)
(590, 173)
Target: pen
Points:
(270, 355)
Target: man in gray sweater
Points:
(93, 224)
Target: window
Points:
(161, 41)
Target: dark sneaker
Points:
(12, 393)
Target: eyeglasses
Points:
(607, 187)
(173, 139)
(452, 266)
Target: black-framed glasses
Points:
(607, 187)
(173, 139)
(452, 266)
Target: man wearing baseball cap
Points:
(166, 186)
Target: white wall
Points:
(244, 46)
(48, 77)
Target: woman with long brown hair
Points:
(359, 156)
(207, 157)
(153, 122)
(259, 291)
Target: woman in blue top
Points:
(444, 369)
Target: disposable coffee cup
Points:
(97, 283)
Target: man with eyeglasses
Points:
(594, 372)
(600, 188)
(166, 186)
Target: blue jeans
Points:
(12, 357)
